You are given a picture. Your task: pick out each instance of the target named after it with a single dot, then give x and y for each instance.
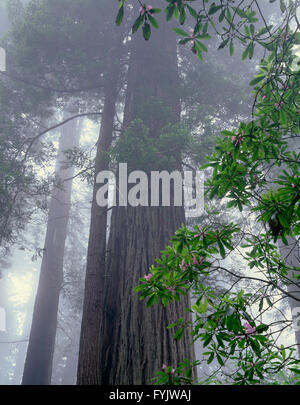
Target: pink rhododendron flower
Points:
(238, 140)
(149, 8)
(264, 97)
(183, 265)
(148, 276)
(198, 262)
(293, 185)
(164, 368)
(142, 10)
(172, 289)
(249, 329)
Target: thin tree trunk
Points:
(69, 373)
(22, 348)
(290, 254)
(89, 362)
(38, 364)
(135, 341)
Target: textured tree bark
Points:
(135, 342)
(291, 255)
(38, 363)
(89, 362)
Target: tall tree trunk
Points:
(69, 373)
(89, 362)
(135, 341)
(38, 363)
(22, 348)
(290, 253)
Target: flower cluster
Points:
(148, 276)
(200, 234)
(172, 289)
(199, 261)
(164, 368)
(237, 140)
(183, 265)
(249, 329)
(278, 105)
(148, 8)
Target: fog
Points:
(78, 96)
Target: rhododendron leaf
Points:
(181, 32)
(153, 21)
(220, 360)
(182, 16)
(255, 346)
(257, 80)
(146, 31)
(150, 301)
(179, 333)
(262, 328)
(192, 11)
(120, 15)
(207, 340)
(213, 8)
(170, 11)
(137, 24)
(223, 44)
(221, 249)
(211, 357)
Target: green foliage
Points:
(143, 152)
(222, 321)
(22, 192)
(232, 23)
(183, 374)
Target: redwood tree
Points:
(89, 363)
(133, 341)
(38, 363)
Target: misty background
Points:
(67, 58)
